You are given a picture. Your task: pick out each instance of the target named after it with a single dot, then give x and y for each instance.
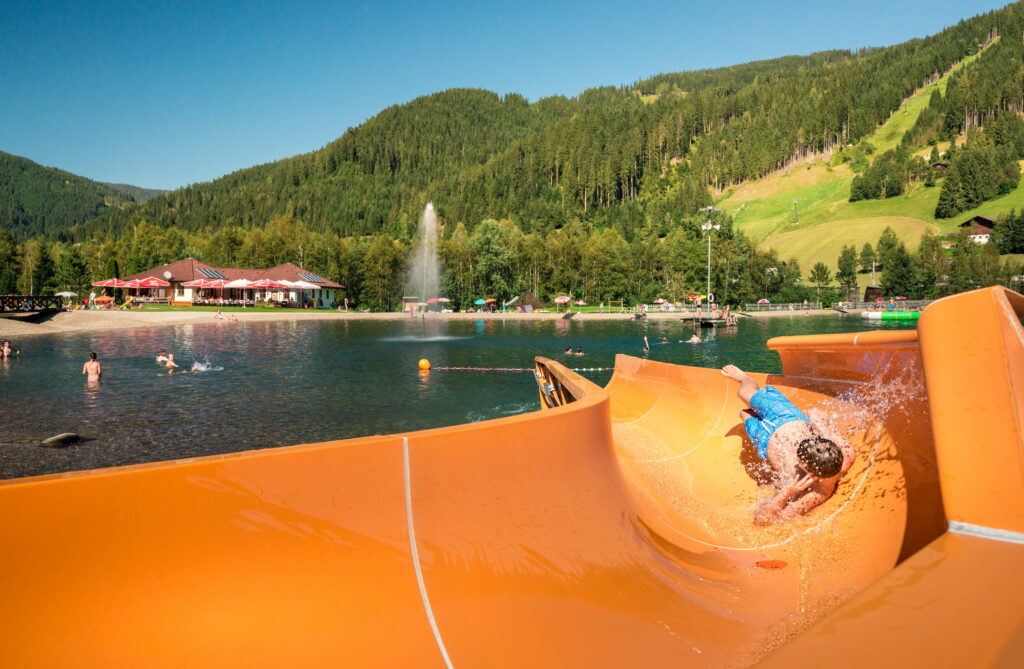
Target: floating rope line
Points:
(514, 369)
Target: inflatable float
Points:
(612, 528)
(891, 315)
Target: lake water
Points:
(291, 382)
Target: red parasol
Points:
(152, 282)
(264, 284)
(110, 283)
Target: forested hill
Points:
(641, 158)
(137, 194)
(37, 200)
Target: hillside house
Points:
(979, 229)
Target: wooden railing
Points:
(27, 303)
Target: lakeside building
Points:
(300, 285)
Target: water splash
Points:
(205, 367)
(424, 280)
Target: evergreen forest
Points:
(600, 196)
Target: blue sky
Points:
(165, 93)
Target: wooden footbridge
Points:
(30, 303)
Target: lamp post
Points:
(708, 227)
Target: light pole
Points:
(708, 227)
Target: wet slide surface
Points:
(613, 531)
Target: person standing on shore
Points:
(92, 369)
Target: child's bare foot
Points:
(734, 373)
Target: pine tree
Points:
(898, 278)
(867, 258)
(847, 274)
(888, 242)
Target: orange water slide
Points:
(613, 529)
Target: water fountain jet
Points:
(424, 278)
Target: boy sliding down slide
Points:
(807, 465)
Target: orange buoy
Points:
(425, 364)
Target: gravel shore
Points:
(77, 321)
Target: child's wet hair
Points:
(820, 456)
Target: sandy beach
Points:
(78, 321)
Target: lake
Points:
(290, 382)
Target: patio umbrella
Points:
(443, 300)
(152, 282)
(110, 283)
(900, 297)
(660, 300)
(199, 283)
(562, 299)
(879, 299)
(580, 303)
(763, 301)
(66, 293)
(433, 300)
(480, 301)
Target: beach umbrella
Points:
(152, 282)
(562, 299)
(268, 284)
(66, 293)
(480, 301)
(489, 300)
(433, 300)
(443, 300)
(110, 283)
(581, 303)
(879, 299)
(763, 301)
(898, 297)
(660, 300)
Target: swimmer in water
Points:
(6, 351)
(568, 350)
(170, 361)
(161, 357)
(92, 369)
(695, 339)
(579, 350)
(664, 340)
(647, 345)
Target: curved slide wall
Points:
(613, 531)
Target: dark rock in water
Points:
(61, 440)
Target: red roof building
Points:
(190, 269)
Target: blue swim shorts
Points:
(773, 410)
